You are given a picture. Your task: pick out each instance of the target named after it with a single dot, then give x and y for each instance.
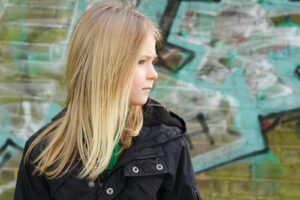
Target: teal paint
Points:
(30, 61)
(5, 135)
(247, 107)
(153, 9)
(5, 122)
(235, 86)
(285, 65)
(52, 110)
(246, 121)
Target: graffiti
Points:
(33, 42)
(239, 59)
(297, 71)
(229, 68)
(271, 121)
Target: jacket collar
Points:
(155, 114)
(160, 126)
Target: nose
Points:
(152, 73)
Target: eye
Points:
(154, 61)
(141, 62)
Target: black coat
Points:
(156, 166)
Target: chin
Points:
(139, 101)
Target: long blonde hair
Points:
(103, 53)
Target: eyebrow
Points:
(149, 57)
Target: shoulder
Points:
(156, 114)
(160, 126)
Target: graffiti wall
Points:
(230, 68)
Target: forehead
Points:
(148, 46)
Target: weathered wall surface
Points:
(231, 69)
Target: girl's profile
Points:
(111, 141)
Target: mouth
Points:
(148, 89)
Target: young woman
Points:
(111, 141)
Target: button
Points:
(91, 184)
(159, 167)
(109, 191)
(135, 170)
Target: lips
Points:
(147, 89)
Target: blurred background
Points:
(230, 68)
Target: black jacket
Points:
(156, 166)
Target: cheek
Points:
(137, 78)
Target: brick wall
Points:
(271, 176)
(274, 175)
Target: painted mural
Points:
(230, 68)
(224, 65)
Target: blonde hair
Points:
(103, 53)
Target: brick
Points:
(250, 188)
(276, 198)
(231, 170)
(292, 172)
(7, 194)
(15, 161)
(222, 197)
(213, 186)
(204, 185)
(289, 190)
(8, 174)
(290, 155)
(283, 137)
(268, 171)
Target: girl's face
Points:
(145, 73)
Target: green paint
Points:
(153, 9)
(266, 166)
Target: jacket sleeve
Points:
(28, 186)
(180, 182)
